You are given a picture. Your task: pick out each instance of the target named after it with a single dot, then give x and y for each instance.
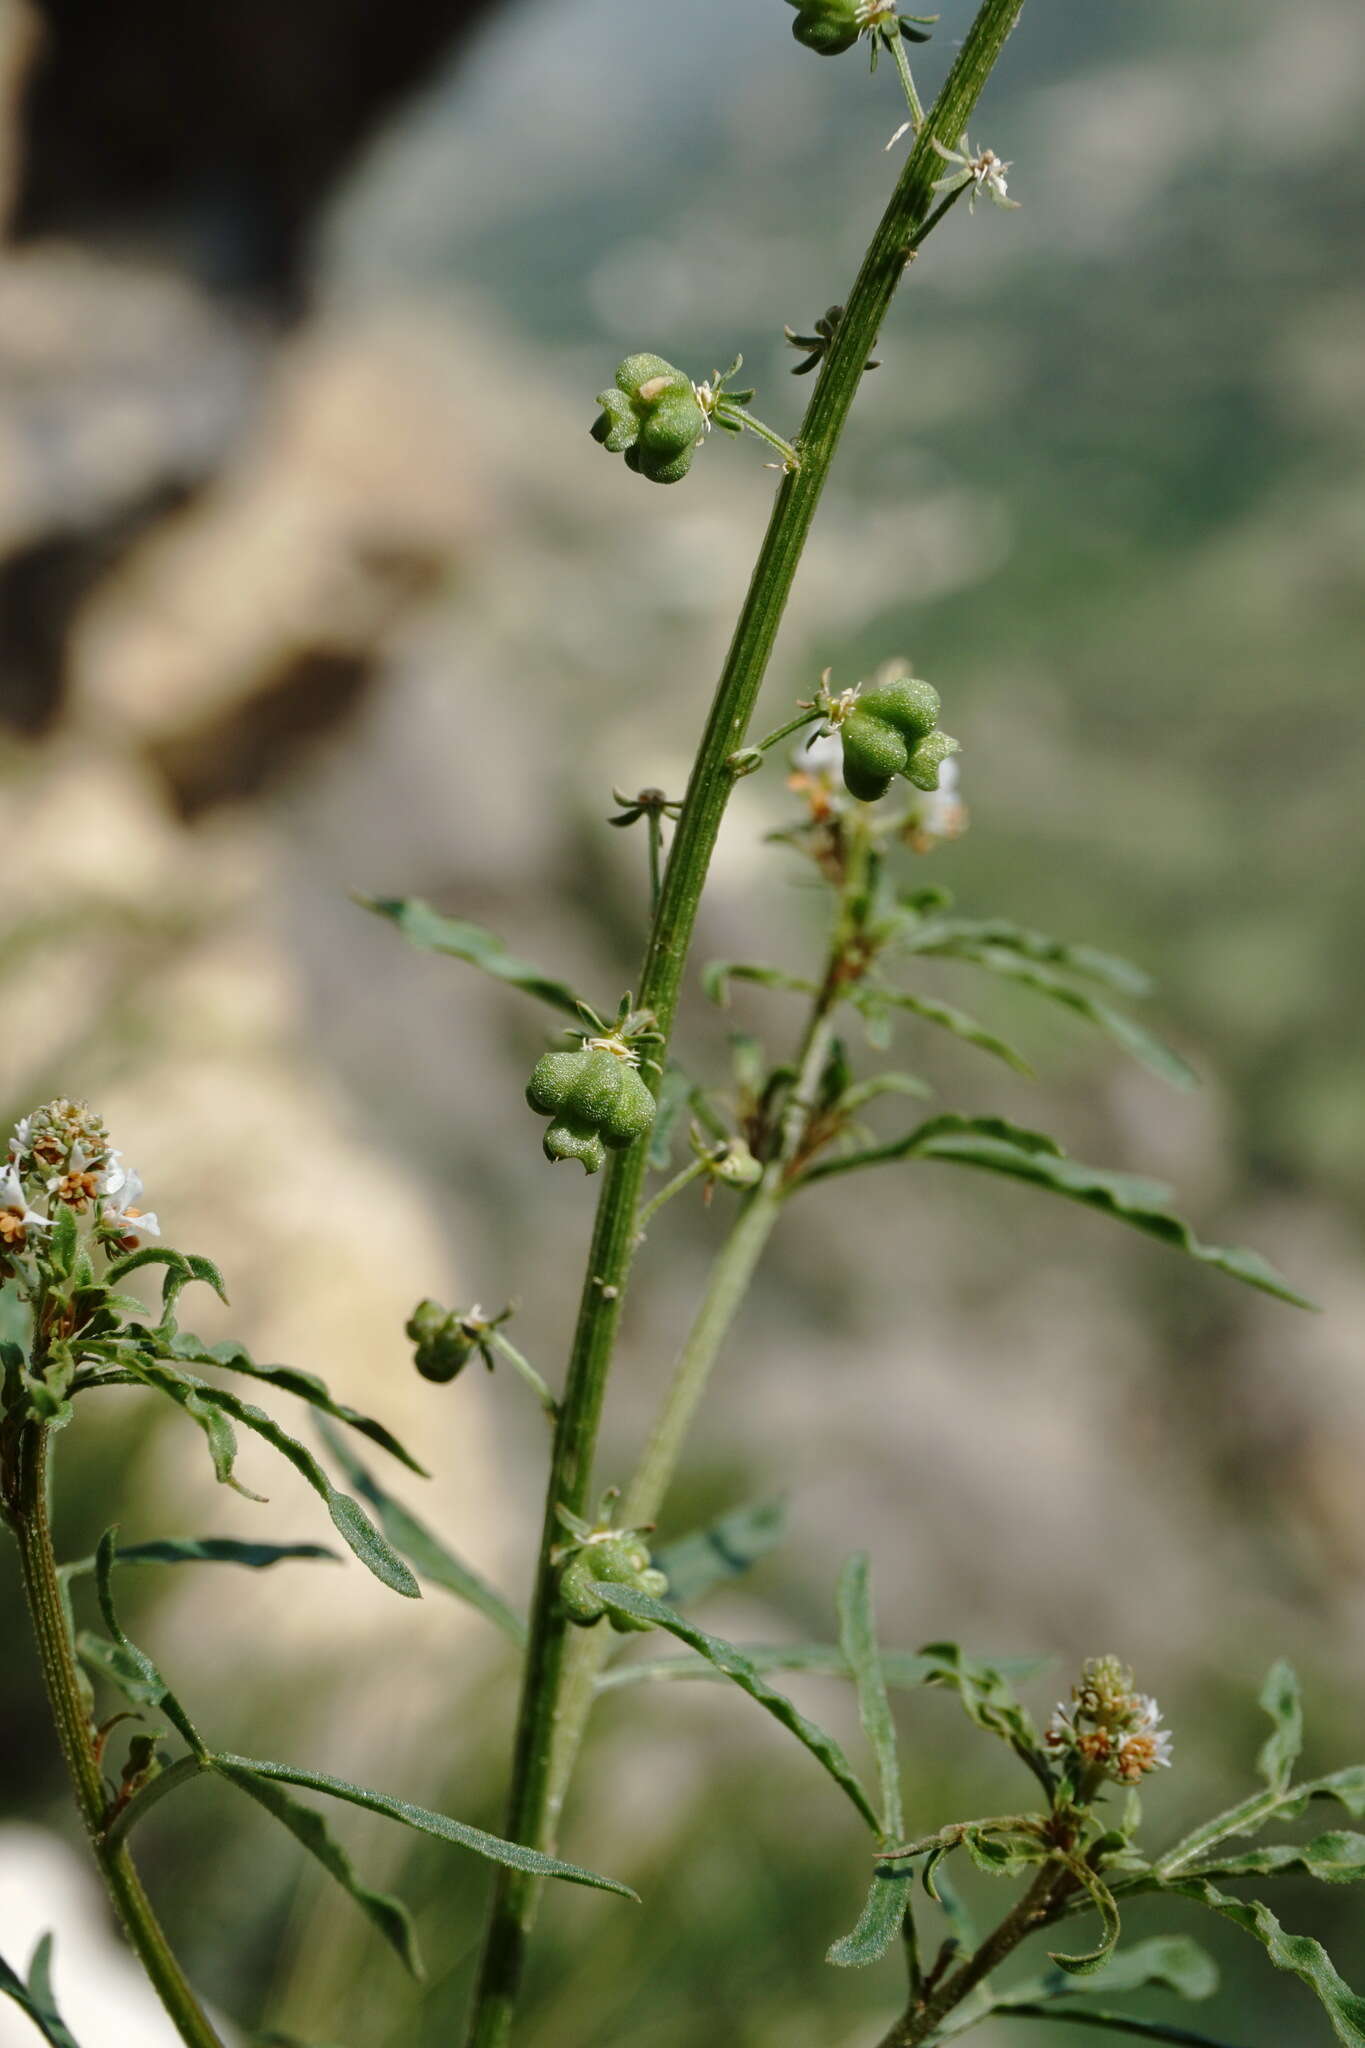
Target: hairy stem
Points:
(530, 1816)
(43, 1591)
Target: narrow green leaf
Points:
(156, 1692)
(1136, 1202)
(188, 1350)
(1166, 1962)
(858, 1641)
(207, 1550)
(430, 932)
(1282, 1700)
(348, 1517)
(739, 1668)
(513, 1854)
(1110, 2022)
(429, 1556)
(963, 936)
(388, 1914)
(35, 1999)
(1297, 1953)
(862, 1092)
(950, 1124)
(874, 1000)
(984, 1690)
(728, 1546)
(879, 1923)
(718, 974)
(1133, 1038)
(1249, 1816)
(189, 1394)
(903, 1669)
(1337, 1857)
(1102, 1899)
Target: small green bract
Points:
(893, 730)
(594, 1097)
(652, 417)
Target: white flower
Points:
(982, 169)
(120, 1191)
(17, 1215)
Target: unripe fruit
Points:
(652, 417)
(829, 27)
(891, 731)
(595, 1098)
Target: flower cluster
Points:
(60, 1156)
(1109, 1729)
(982, 169)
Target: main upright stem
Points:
(533, 1808)
(43, 1590)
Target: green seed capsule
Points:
(620, 1560)
(442, 1346)
(829, 27)
(893, 731)
(594, 1097)
(652, 417)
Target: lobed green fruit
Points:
(614, 1561)
(595, 1098)
(441, 1346)
(829, 27)
(652, 417)
(893, 730)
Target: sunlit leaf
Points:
(514, 1854)
(1345, 1787)
(737, 1667)
(429, 1556)
(725, 1548)
(1297, 1953)
(388, 1914)
(428, 930)
(879, 1923)
(1337, 1857)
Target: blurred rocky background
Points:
(311, 581)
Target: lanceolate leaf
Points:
(730, 1545)
(35, 1999)
(1281, 1698)
(1132, 1037)
(1337, 1857)
(858, 1640)
(188, 1350)
(718, 974)
(155, 1691)
(513, 1854)
(950, 1124)
(1110, 2023)
(880, 1922)
(737, 1667)
(432, 933)
(388, 1914)
(429, 1557)
(348, 1517)
(964, 937)
(1346, 1787)
(1138, 1203)
(207, 1550)
(903, 1669)
(875, 1001)
(1298, 1953)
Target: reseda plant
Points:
(872, 788)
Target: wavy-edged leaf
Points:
(1166, 1962)
(1297, 1953)
(862, 1092)
(514, 1854)
(718, 974)
(207, 1550)
(875, 1001)
(1338, 1857)
(187, 1349)
(1102, 1899)
(743, 1672)
(1126, 1197)
(879, 1923)
(429, 1556)
(858, 1641)
(950, 1123)
(36, 1999)
(1133, 1038)
(384, 1912)
(430, 932)
(153, 1689)
(189, 1394)
(1283, 1701)
(985, 1691)
(1346, 1787)
(732, 1544)
(349, 1519)
(961, 937)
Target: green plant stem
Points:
(1032, 1911)
(738, 417)
(44, 1594)
(532, 1816)
(655, 829)
(694, 1169)
(912, 99)
(505, 1348)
